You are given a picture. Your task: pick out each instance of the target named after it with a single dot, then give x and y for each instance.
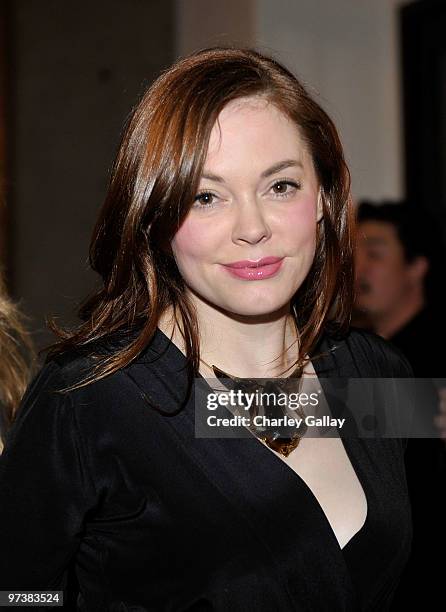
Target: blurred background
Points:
(71, 71)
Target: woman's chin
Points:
(258, 310)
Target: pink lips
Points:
(255, 270)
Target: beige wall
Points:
(202, 23)
(347, 53)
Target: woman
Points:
(224, 246)
(16, 361)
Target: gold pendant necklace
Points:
(273, 439)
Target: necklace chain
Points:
(284, 446)
(211, 367)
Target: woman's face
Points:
(258, 198)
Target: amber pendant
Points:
(284, 446)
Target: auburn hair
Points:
(154, 181)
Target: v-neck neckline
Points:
(320, 366)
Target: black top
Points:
(153, 518)
(423, 342)
(415, 340)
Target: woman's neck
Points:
(240, 345)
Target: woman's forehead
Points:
(256, 128)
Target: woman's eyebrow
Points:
(286, 163)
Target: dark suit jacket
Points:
(151, 517)
(423, 342)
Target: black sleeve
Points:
(379, 358)
(399, 367)
(45, 488)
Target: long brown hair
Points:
(154, 180)
(17, 360)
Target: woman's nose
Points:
(250, 223)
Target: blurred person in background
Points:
(398, 257)
(16, 361)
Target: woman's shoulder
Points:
(57, 390)
(386, 353)
(64, 383)
(71, 369)
(73, 366)
(365, 353)
(77, 374)
(57, 400)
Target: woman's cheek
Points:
(299, 222)
(193, 241)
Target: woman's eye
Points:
(285, 188)
(282, 189)
(204, 199)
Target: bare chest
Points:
(325, 467)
